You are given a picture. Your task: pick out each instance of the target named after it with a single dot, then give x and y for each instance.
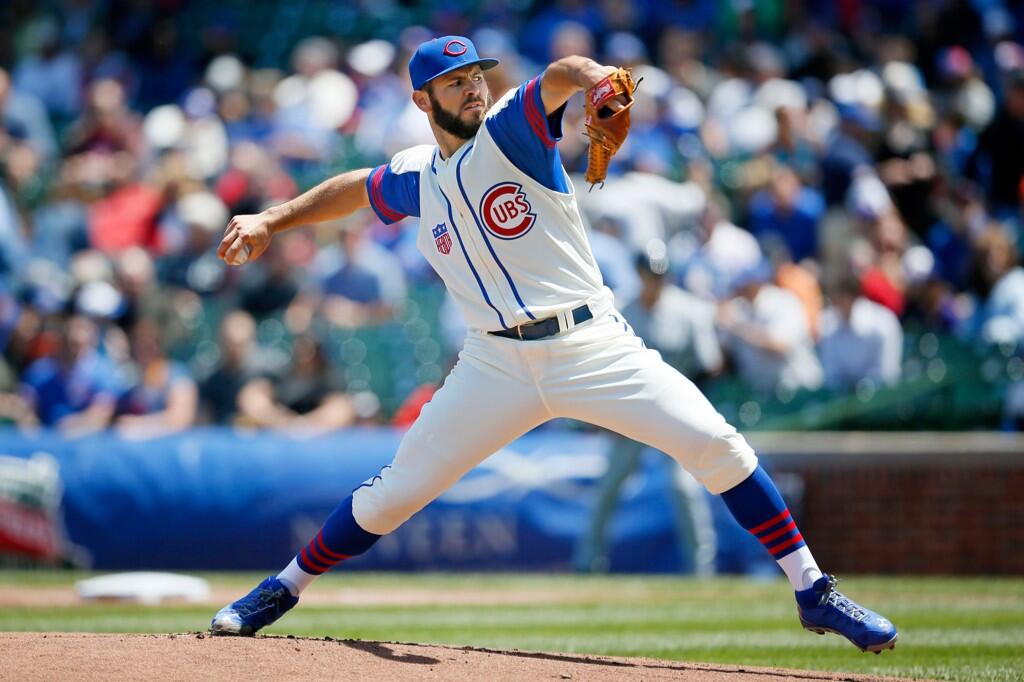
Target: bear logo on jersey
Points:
(506, 211)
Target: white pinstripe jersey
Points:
(509, 249)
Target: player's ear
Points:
(422, 100)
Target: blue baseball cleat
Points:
(823, 608)
(261, 607)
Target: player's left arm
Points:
(569, 75)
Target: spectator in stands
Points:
(26, 336)
(13, 248)
(173, 310)
(794, 147)
(801, 279)
(51, 73)
(765, 332)
(23, 116)
(711, 257)
(1000, 317)
(884, 277)
(163, 397)
(107, 125)
(126, 214)
(166, 63)
(77, 389)
(675, 322)
(789, 210)
(364, 283)
(308, 398)
(860, 340)
(311, 104)
(618, 272)
(14, 409)
(253, 178)
(59, 227)
(961, 216)
(1001, 149)
(205, 140)
(644, 206)
(196, 266)
(849, 147)
(272, 284)
(241, 359)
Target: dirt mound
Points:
(27, 656)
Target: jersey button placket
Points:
(472, 237)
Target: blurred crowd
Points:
(805, 183)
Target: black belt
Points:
(543, 328)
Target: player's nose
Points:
(473, 90)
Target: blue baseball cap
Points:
(441, 55)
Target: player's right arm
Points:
(334, 198)
(391, 190)
(569, 75)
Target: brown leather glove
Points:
(607, 129)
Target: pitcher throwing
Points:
(498, 221)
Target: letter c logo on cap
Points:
(454, 48)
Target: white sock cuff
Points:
(295, 579)
(801, 568)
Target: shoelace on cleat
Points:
(833, 597)
(264, 598)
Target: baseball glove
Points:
(607, 129)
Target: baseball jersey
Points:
(498, 219)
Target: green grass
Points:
(952, 629)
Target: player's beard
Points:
(453, 124)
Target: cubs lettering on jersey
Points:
(506, 211)
(498, 220)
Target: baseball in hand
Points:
(242, 256)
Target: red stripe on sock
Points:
(788, 543)
(317, 567)
(791, 526)
(322, 546)
(318, 557)
(770, 522)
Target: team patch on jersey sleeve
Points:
(506, 211)
(442, 238)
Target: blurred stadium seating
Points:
(873, 139)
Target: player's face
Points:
(459, 100)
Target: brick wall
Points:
(949, 512)
(892, 520)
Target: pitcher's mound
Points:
(86, 657)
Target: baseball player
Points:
(499, 223)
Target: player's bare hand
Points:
(245, 238)
(617, 104)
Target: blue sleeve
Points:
(393, 196)
(107, 379)
(527, 137)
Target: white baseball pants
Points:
(598, 372)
